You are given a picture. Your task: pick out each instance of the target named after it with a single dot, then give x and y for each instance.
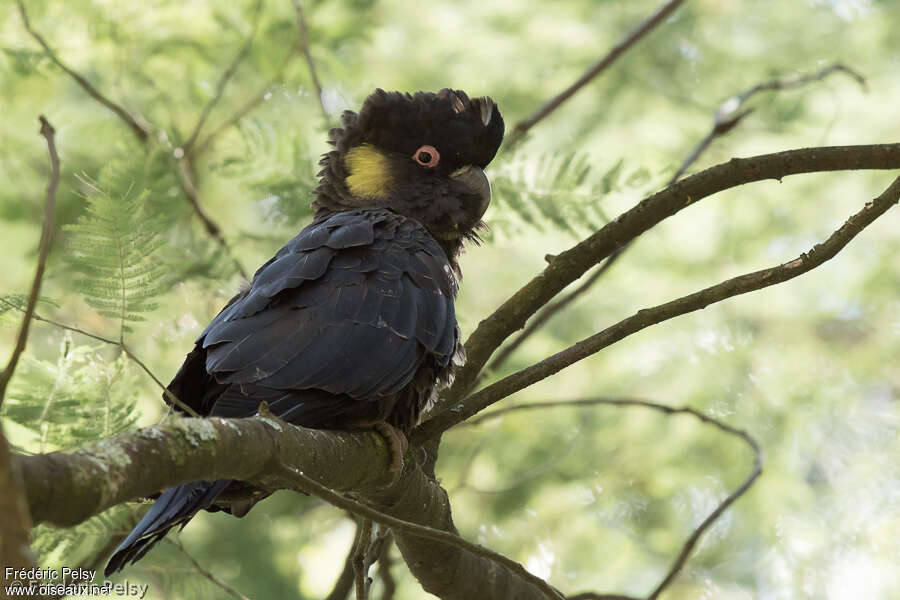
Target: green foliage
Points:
(562, 191)
(13, 305)
(114, 246)
(65, 547)
(551, 191)
(278, 170)
(80, 396)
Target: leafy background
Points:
(596, 498)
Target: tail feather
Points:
(174, 507)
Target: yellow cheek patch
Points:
(369, 172)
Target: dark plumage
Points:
(352, 323)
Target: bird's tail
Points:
(175, 506)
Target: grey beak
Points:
(475, 179)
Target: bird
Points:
(352, 324)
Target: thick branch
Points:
(15, 524)
(43, 253)
(651, 316)
(571, 264)
(634, 36)
(110, 472)
(179, 450)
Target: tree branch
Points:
(414, 530)
(244, 110)
(548, 311)
(635, 35)
(223, 80)
(183, 171)
(304, 45)
(112, 471)
(384, 568)
(344, 583)
(726, 118)
(651, 316)
(15, 522)
(571, 264)
(139, 130)
(43, 252)
(729, 113)
(692, 540)
(360, 559)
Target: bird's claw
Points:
(397, 445)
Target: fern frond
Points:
(74, 545)
(114, 248)
(77, 398)
(558, 190)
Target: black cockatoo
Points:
(351, 325)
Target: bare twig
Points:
(137, 128)
(729, 113)
(635, 35)
(304, 45)
(384, 567)
(257, 99)
(344, 583)
(743, 284)
(313, 487)
(692, 540)
(212, 228)
(131, 355)
(43, 252)
(361, 559)
(212, 578)
(224, 79)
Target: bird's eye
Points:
(427, 156)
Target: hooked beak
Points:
(485, 109)
(475, 179)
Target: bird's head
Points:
(421, 155)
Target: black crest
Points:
(465, 131)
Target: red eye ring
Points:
(427, 156)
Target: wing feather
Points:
(353, 307)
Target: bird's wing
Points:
(353, 306)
